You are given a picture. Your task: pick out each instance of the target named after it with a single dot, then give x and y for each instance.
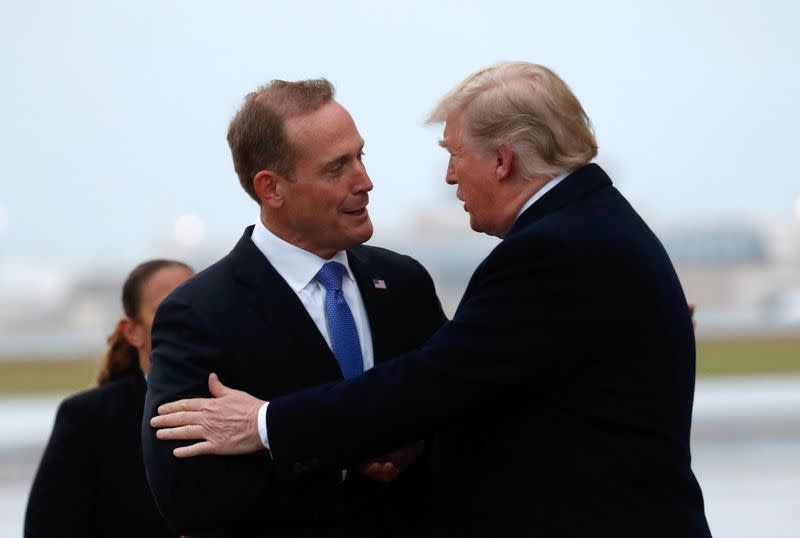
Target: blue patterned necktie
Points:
(341, 326)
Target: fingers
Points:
(197, 449)
(192, 404)
(389, 472)
(182, 433)
(180, 418)
(380, 471)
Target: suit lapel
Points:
(277, 304)
(375, 302)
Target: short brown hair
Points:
(528, 107)
(257, 136)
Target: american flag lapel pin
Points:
(379, 284)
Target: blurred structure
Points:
(743, 275)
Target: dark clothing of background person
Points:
(560, 394)
(91, 480)
(241, 320)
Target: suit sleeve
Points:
(482, 357)
(62, 495)
(206, 492)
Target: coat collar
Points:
(579, 183)
(266, 289)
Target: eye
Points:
(361, 155)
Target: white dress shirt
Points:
(298, 268)
(262, 414)
(541, 192)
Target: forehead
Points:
(162, 282)
(324, 133)
(452, 131)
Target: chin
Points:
(366, 235)
(368, 228)
(360, 235)
(475, 225)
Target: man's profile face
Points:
(325, 200)
(473, 173)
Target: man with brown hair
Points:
(560, 394)
(299, 301)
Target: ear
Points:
(505, 161)
(266, 185)
(132, 332)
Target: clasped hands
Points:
(227, 424)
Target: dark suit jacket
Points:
(241, 320)
(91, 479)
(561, 391)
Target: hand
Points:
(691, 312)
(225, 424)
(388, 467)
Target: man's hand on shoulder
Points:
(225, 424)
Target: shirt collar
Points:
(298, 267)
(541, 192)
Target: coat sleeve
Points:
(494, 349)
(205, 492)
(62, 497)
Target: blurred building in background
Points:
(743, 275)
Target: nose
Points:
(363, 183)
(450, 175)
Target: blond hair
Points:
(527, 107)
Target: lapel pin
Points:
(379, 284)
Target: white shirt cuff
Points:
(262, 425)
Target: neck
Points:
(144, 362)
(523, 191)
(294, 238)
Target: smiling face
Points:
(475, 175)
(322, 206)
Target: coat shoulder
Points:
(103, 401)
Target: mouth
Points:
(460, 199)
(360, 212)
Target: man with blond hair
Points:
(560, 394)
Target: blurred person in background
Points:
(91, 480)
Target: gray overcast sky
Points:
(113, 114)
